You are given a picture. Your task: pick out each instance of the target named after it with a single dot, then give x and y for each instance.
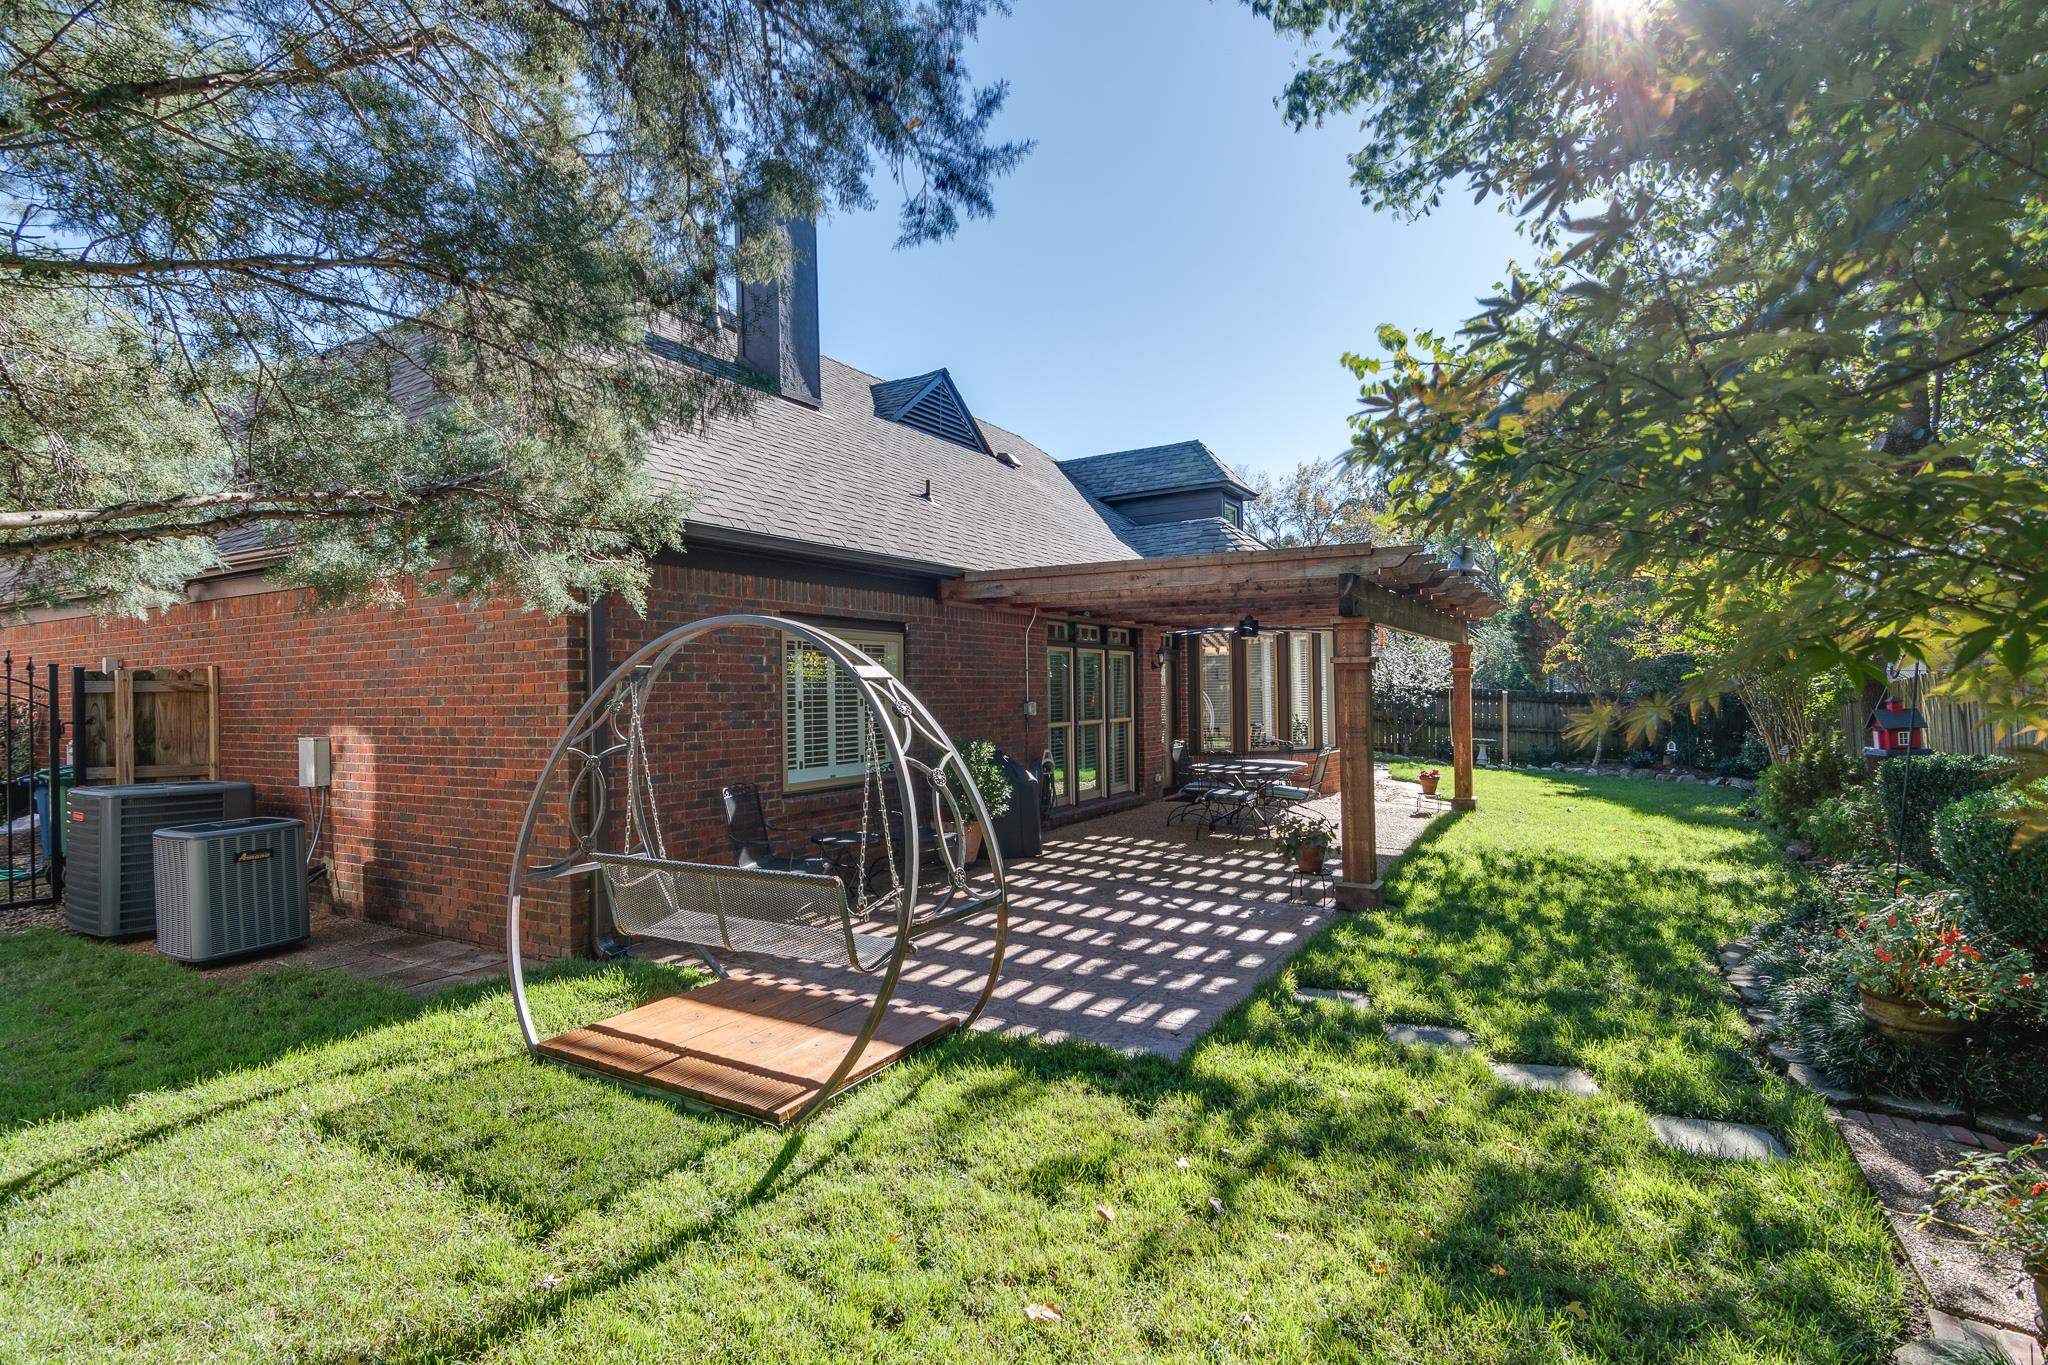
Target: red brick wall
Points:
(719, 714)
(439, 714)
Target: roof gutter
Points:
(733, 538)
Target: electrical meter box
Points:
(316, 761)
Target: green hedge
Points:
(2007, 883)
(1925, 784)
(1794, 785)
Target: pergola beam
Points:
(1361, 600)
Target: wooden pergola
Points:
(1346, 589)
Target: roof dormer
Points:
(930, 403)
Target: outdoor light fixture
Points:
(1248, 627)
(1463, 560)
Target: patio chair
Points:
(753, 842)
(1190, 793)
(1287, 795)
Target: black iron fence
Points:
(34, 779)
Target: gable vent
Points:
(930, 403)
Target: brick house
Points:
(879, 508)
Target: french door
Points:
(1089, 722)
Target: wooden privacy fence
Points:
(146, 724)
(1513, 725)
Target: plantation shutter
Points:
(1258, 669)
(1301, 718)
(824, 723)
(1215, 697)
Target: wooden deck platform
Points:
(762, 1049)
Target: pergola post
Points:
(1461, 727)
(1352, 664)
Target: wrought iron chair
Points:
(1190, 793)
(753, 841)
(1288, 795)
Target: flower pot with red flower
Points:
(1924, 974)
(1429, 777)
(2009, 1192)
(1306, 839)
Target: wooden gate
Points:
(147, 724)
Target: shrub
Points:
(1642, 758)
(1797, 783)
(1543, 755)
(2006, 882)
(1917, 788)
(1840, 826)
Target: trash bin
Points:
(49, 813)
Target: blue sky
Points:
(1172, 260)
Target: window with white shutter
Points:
(824, 723)
(1301, 679)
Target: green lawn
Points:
(302, 1167)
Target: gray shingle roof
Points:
(1201, 536)
(1153, 469)
(842, 477)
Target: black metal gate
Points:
(35, 781)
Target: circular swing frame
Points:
(898, 719)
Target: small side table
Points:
(1312, 888)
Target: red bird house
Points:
(1896, 728)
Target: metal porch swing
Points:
(774, 1047)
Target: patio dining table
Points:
(1255, 776)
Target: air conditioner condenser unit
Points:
(110, 886)
(229, 887)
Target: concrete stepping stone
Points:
(1426, 1035)
(1357, 1000)
(1534, 1076)
(1709, 1137)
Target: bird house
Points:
(1896, 729)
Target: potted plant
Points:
(1306, 839)
(1923, 973)
(984, 766)
(2011, 1190)
(1429, 777)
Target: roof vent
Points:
(930, 403)
(1005, 457)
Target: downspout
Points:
(596, 668)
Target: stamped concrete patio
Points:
(1131, 932)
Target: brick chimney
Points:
(779, 320)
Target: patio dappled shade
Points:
(1128, 932)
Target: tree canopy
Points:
(1784, 346)
(243, 237)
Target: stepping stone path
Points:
(1708, 1137)
(1357, 1000)
(1700, 1137)
(1531, 1076)
(1426, 1035)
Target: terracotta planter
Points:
(970, 842)
(1909, 1021)
(1309, 860)
(1428, 784)
(2040, 1299)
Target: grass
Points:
(301, 1167)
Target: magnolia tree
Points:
(244, 237)
(1784, 348)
